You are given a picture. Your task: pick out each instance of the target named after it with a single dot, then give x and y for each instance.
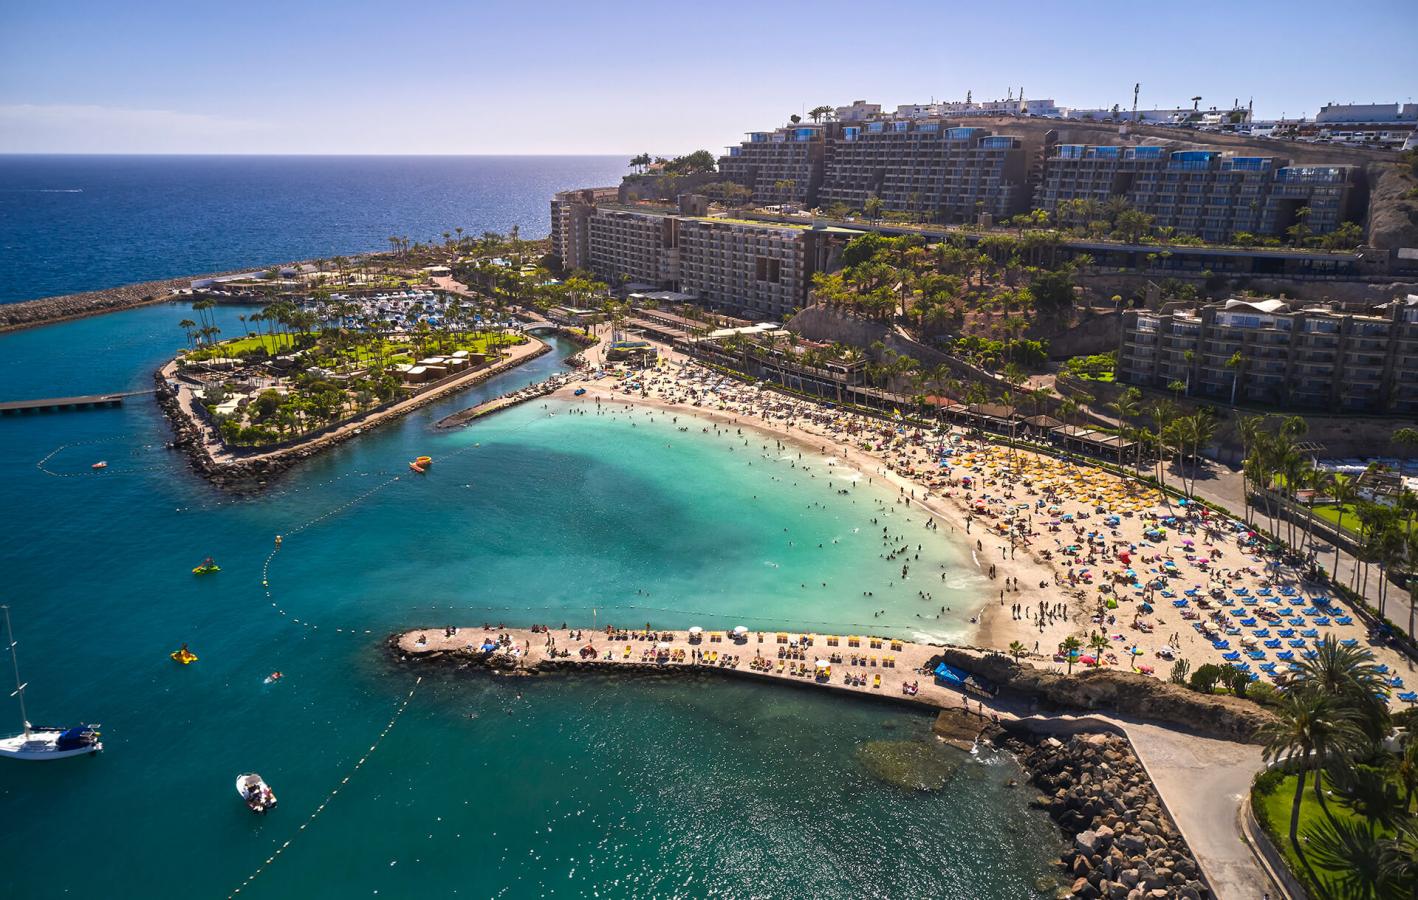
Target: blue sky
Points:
(158, 76)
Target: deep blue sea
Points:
(584, 787)
(77, 223)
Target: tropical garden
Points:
(305, 365)
(1341, 798)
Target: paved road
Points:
(1203, 781)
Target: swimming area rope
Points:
(336, 790)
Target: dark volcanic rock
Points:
(1123, 844)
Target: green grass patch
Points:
(1272, 799)
(1330, 513)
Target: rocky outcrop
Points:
(958, 727)
(1122, 843)
(1393, 214)
(1126, 693)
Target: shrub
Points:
(1204, 679)
(1263, 694)
(1236, 680)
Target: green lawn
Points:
(230, 348)
(1273, 812)
(1330, 513)
(398, 351)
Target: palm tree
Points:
(1400, 857)
(1249, 430)
(1070, 648)
(1236, 363)
(1163, 412)
(1343, 488)
(1201, 429)
(1016, 650)
(1350, 850)
(1350, 675)
(1098, 644)
(1127, 406)
(1310, 731)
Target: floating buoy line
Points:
(333, 792)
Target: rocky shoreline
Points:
(1124, 844)
(250, 474)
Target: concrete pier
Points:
(782, 656)
(58, 404)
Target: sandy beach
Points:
(1069, 548)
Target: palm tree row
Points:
(1331, 722)
(1385, 537)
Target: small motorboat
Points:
(183, 655)
(258, 795)
(208, 567)
(101, 464)
(43, 743)
(274, 677)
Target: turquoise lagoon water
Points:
(557, 786)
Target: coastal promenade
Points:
(1201, 781)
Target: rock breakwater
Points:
(30, 313)
(1123, 845)
(507, 401)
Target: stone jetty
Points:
(507, 401)
(1123, 846)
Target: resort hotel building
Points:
(760, 268)
(1202, 192)
(1269, 353)
(918, 160)
(943, 173)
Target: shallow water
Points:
(580, 786)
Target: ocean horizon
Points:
(82, 222)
